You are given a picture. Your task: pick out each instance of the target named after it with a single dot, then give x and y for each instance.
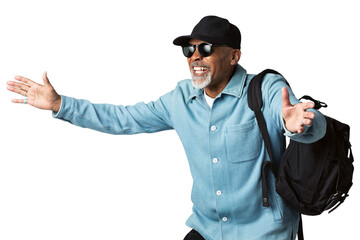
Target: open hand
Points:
(37, 95)
(295, 116)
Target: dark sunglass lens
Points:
(188, 50)
(205, 49)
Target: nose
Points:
(196, 56)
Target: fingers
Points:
(25, 80)
(307, 105)
(285, 97)
(23, 101)
(24, 84)
(309, 115)
(307, 121)
(29, 89)
(301, 130)
(45, 79)
(18, 85)
(17, 90)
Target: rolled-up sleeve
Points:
(117, 119)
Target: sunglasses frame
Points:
(200, 49)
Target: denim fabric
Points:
(224, 148)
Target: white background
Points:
(58, 181)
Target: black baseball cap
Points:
(215, 30)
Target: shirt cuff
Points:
(66, 108)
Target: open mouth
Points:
(200, 70)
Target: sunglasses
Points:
(203, 48)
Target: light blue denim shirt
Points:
(224, 148)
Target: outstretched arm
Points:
(151, 117)
(37, 95)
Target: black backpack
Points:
(311, 178)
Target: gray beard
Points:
(201, 82)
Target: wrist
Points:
(57, 104)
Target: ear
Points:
(236, 54)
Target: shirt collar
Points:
(234, 87)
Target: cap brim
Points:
(182, 40)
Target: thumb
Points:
(45, 79)
(285, 97)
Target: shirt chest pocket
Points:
(243, 141)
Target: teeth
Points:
(200, 68)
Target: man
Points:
(219, 132)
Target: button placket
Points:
(218, 169)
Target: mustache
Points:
(199, 64)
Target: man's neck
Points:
(217, 87)
(213, 91)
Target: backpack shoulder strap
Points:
(254, 91)
(255, 103)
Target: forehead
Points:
(195, 41)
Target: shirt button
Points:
(213, 128)
(218, 192)
(224, 219)
(215, 160)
